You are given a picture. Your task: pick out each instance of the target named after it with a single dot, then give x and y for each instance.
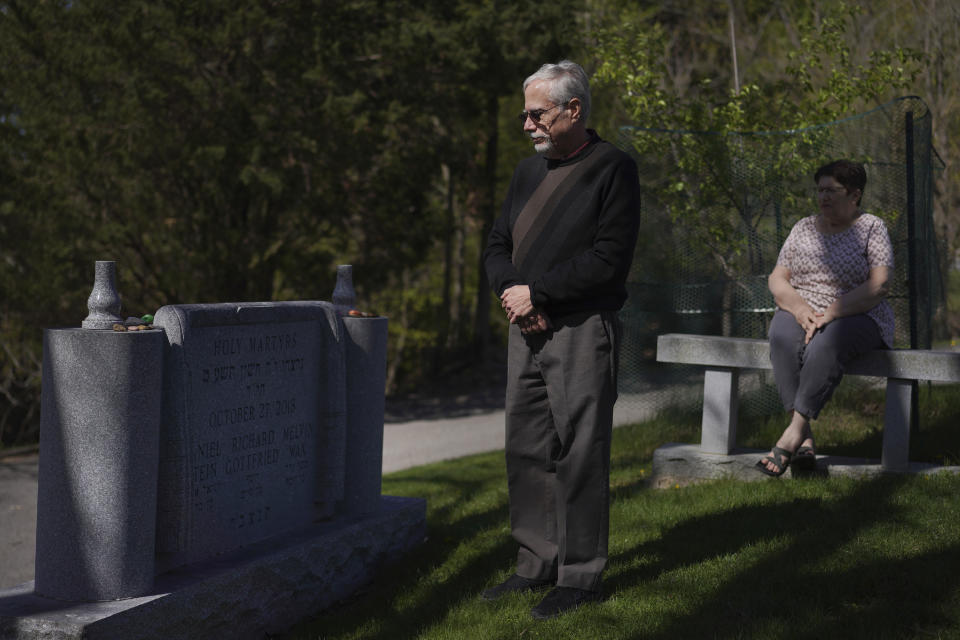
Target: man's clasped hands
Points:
(520, 311)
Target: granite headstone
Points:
(253, 435)
(226, 461)
(99, 435)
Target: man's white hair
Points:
(567, 80)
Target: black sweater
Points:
(574, 243)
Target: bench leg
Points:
(896, 425)
(719, 427)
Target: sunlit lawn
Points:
(817, 558)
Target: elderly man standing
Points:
(558, 257)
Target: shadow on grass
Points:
(852, 424)
(773, 567)
(934, 441)
(421, 590)
(805, 587)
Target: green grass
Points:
(817, 558)
(852, 424)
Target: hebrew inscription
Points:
(248, 434)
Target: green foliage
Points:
(822, 82)
(193, 142)
(719, 185)
(830, 84)
(240, 151)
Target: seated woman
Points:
(829, 285)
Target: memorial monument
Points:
(214, 474)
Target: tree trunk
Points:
(443, 331)
(393, 363)
(457, 302)
(488, 212)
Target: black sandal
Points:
(805, 459)
(780, 459)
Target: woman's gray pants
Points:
(807, 374)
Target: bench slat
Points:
(753, 353)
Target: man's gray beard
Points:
(542, 145)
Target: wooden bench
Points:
(725, 357)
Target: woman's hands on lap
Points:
(809, 320)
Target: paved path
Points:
(18, 518)
(406, 443)
(416, 442)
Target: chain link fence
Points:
(705, 249)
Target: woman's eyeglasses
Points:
(829, 192)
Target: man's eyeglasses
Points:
(536, 114)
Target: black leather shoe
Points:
(515, 584)
(563, 599)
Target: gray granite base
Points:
(682, 464)
(264, 588)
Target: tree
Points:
(215, 151)
(239, 151)
(474, 56)
(715, 186)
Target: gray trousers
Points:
(561, 388)
(807, 374)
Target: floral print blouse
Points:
(823, 267)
